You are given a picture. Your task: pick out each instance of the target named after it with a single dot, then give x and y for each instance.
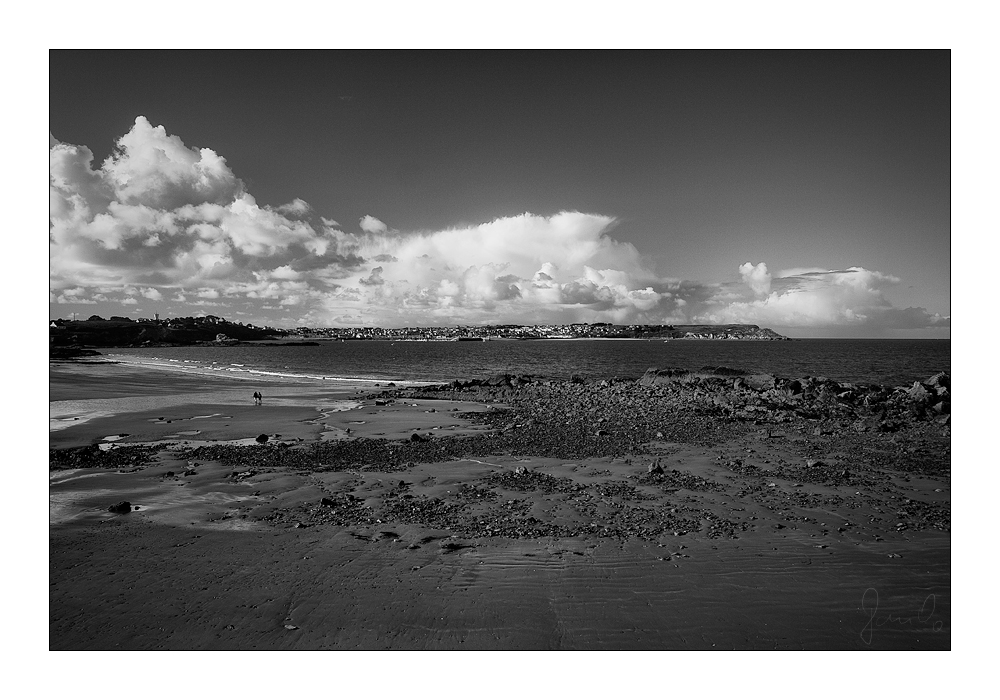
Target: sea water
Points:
(889, 362)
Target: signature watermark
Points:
(869, 605)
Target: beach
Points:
(682, 511)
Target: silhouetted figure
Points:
(258, 398)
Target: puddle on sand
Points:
(65, 506)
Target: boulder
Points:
(761, 382)
(792, 387)
(654, 376)
(941, 379)
(918, 392)
(121, 507)
(722, 371)
(262, 438)
(498, 380)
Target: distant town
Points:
(542, 332)
(119, 331)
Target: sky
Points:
(804, 191)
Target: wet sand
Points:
(495, 549)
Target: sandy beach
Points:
(518, 516)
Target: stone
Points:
(918, 392)
(941, 379)
(792, 387)
(655, 377)
(121, 507)
(262, 438)
(761, 382)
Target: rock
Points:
(656, 377)
(327, 502)
(722, 371)
(655, 469)
(262, 438)
(941, 379)
(918, 392)
(810, 463)
(122, 507)
(498, 380)
(417, 438)
(761, 382)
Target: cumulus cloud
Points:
(370, 224)
(170, 223)
(756, 277)
(159, 214)
(816, 298)
(564, 267)
(151, 168)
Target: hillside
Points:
(124, 332)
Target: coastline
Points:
(489, 530)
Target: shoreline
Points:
(689, 512)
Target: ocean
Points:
(889, 362)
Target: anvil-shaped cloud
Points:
(162, 222)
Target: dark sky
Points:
(707, 159)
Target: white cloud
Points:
(370, 224)
(152, 168)
(756, 277)
(815, 298)
(158, 215)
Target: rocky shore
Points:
(846, 436)
(702, 470)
